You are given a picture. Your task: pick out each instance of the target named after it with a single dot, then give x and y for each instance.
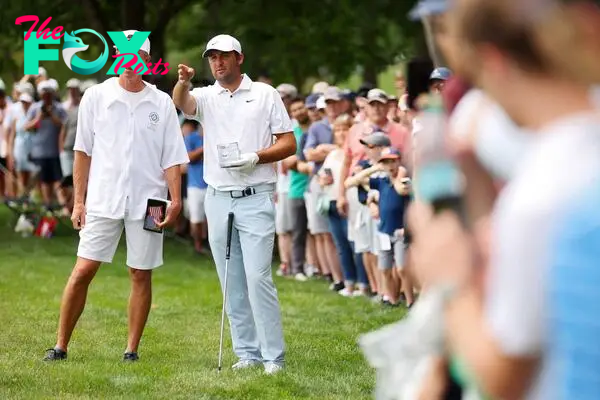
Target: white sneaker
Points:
(272, 368)
(358, 293)
(243, 364)
(311, 270)
(346, 293)
(300, 277)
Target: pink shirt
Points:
(398, 134)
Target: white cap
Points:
(287, 89)
(73, 83)
(321, 104)
(45, 86)
(53, 84)
(2, 85)
(26, 97)
(145, 47)
(25, 87)
(42, 72)
(377, 95)
(320, 87)
(223, 43)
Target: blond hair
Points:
(344, 119)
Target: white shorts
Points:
(283, 216)
(353, 207)
(375, 242)
(194, 205)
(100, 238)
(363, 230)
(317, 223)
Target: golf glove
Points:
(246, 163)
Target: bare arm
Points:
(30, 125)
(61, 137)
(196, 155)
(291, 163)
(344, 174)
(400, 187)
(12, 134)
(183, 99)
(304, 168)
(500, 376)
(173, 178)
(316, 154)
(284, 147)
(81, 173)
(362, 177)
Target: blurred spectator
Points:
(438, 79)
(320, 88)
(196, 187)
(5, 178)
(45, 121)
(318, 145)
(311, 106)
(73, 94)
(288, 92)
(330, 178)
(298, 182)
(21, 143)
(366, 238)
(393, 113)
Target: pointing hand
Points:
(185, 73)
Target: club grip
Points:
(229, 232)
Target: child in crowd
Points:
(389, 205)
(367, 240)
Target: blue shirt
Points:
(574, 282)
(45, 138)
(195, 171)
(319, 132)
(391, 205)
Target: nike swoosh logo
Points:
(249, 101)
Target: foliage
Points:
(293, 40)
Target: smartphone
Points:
(156, 210)
(328, 171)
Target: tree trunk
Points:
(370, 74)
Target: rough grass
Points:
(180, 347)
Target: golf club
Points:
(227, 254)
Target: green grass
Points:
(179, 350)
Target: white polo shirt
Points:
(132, 139)
(251, 115)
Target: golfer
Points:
(128, 148)
(237, 110)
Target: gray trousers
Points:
(299, 231)
(252, 301)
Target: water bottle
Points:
(439, 181)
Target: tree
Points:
(103, 16)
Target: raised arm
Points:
(181, 93)
(362, 177)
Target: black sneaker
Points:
(55, 355)
(337, 286)
(131, 356)
(387, 303)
